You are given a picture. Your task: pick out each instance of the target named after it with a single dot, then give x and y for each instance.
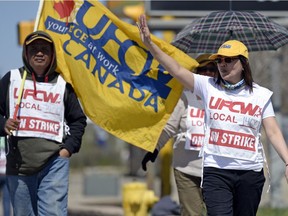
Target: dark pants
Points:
(232, 192)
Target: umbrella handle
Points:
(20, 95)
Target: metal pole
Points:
(230, 5)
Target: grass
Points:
(272, 212)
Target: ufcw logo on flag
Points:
(122, 88)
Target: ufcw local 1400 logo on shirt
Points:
(108, 53)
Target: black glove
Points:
(149, 157)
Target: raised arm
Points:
(276, 138)
(173, 67)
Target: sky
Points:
(11, 13)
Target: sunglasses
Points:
(226, 59)
(204, 69)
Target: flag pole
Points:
(41, 3)
(20, 95)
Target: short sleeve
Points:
(201, 86)
(268, 110)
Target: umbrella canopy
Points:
(207, 33)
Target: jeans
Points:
(44, 193)
(5, 196)
(232, 192)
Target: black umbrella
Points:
(255, 30)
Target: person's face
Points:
(207, 70)
(39, 54)
(230, 68)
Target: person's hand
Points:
(144, 30)
(64, 153)
(11, 125)
(149, 157)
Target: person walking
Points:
(236, 108)
(186, 124)
(47, 130)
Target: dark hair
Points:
(246, 73)
(212, 63)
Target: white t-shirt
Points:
(201, 86)
(41, 114)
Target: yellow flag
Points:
(122, 88)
